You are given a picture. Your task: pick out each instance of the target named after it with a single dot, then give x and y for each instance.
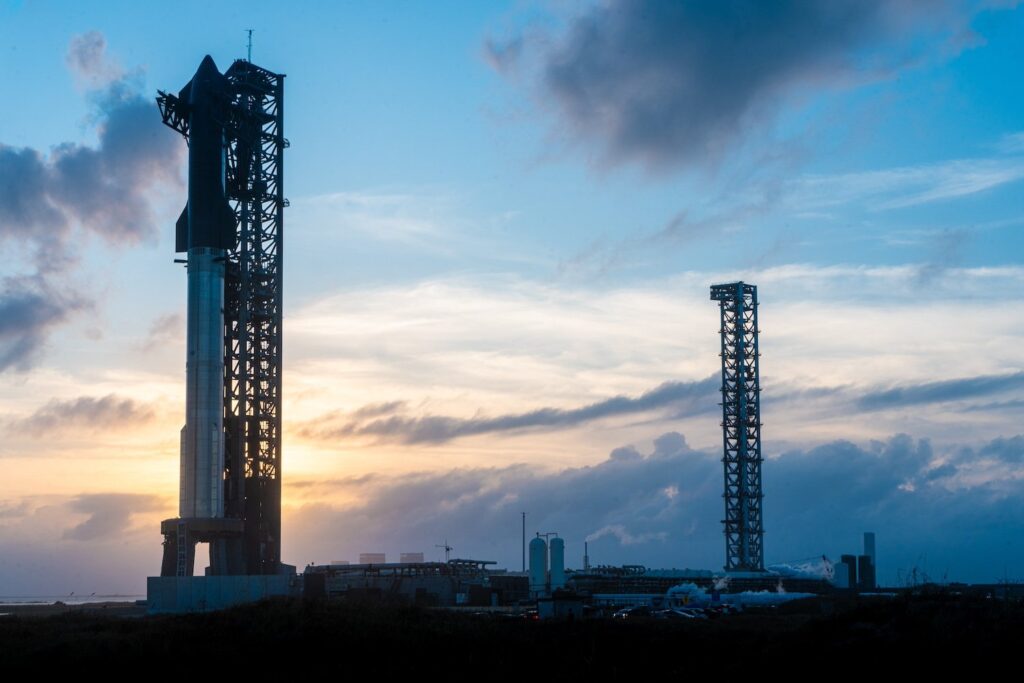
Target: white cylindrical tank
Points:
(557, 563)
(538, 566)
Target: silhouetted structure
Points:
(850, 561)
(741, 425)
(231, 229)
(865, 573)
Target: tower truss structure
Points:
(252, 312)
(741, 426)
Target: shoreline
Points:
(109, 608)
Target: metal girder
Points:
(253, 316)
(741, 426)
(172, 111)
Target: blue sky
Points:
(499, 208)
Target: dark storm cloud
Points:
(49, 201)
(109, 514)
(687, 397)
(939, 392)
(29, 310)
(85, 413)
(663, 509)
(667, 83)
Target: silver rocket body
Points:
(204, 231)
(202, 437)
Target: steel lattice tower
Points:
(248, 541)
(741, 426)
(252, 340)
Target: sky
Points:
(504, 219)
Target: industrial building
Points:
(858, 572)
(455, 582)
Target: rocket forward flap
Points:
(181, 231)
(223, 238)
(185, 94)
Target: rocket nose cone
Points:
(207, 66)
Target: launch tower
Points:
(231, 230)
(741, 426)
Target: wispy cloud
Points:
(420, 220)
(1012, 143)
(624, 537)
(85, 413)
(165, 328)
(109, 514)
(391, 423)
(520, 356)
(830, 198)
(904, 187)
(689, 397)
(941, 392)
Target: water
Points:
(10, 600)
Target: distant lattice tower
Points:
(741, 426)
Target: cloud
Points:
(109, 514)
(29, 310)
(509, 348)
(675, 399)
(422, 220)
(833, 197)
(86, 413)
(49, 202)
(934, 507)
(691, 397)
(88, 60)
(378, 409)
(1007, 450)
(14, 509)
(670, 83)
(939, 392)
(165, 328)
(624, 537)
(103, 189)
(663, 508)
(906, 186)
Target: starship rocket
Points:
(205, 230)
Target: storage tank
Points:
(865, 573)
(557, 563)
(851, 562)
(841, 575)
(538, 566)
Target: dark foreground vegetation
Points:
(819, 638)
